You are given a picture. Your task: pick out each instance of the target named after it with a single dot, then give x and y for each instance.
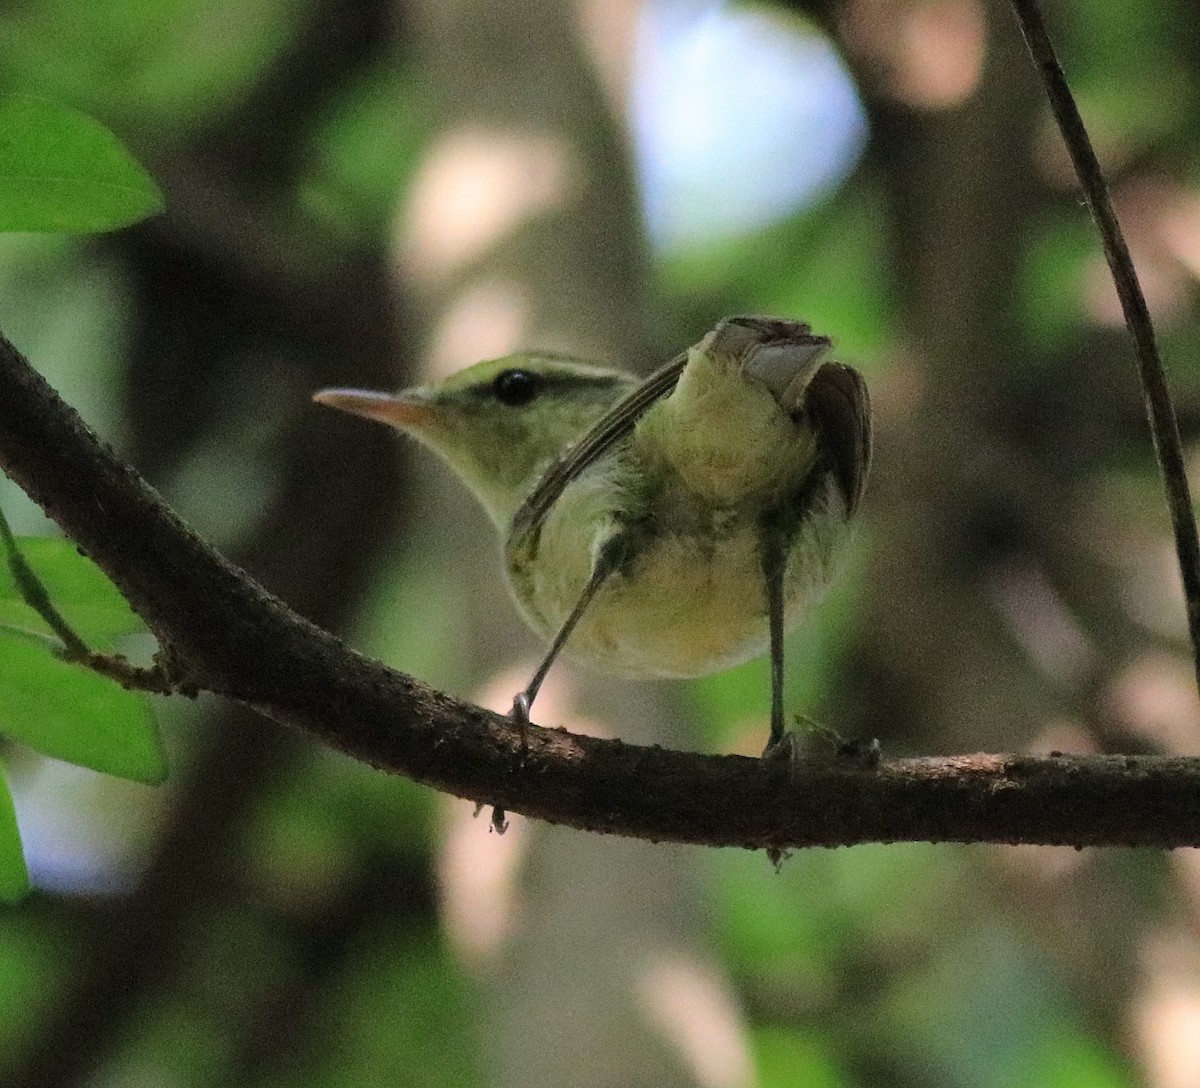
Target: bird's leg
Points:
(606, 562)
(773, 558)
(782, 743)
(523, 701)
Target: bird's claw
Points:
(782, 747)
(520, 709)
(813, 736)
(519, 715)
(857, 750)
(499, 820)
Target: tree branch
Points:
(228, 635)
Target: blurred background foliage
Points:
(361, 191)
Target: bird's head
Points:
(498, 423)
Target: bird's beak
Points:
(409, 410)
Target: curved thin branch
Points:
(228, 635)
(1160, 411)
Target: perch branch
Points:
(228, 635)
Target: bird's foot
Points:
(499, 820)
(777, 855)
(783, 746)
(794, 746)
(812, 739)
(520, 710)
(865, 752)
(519, 716)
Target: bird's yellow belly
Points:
(685, 607)
(690, 599)
(681, 611)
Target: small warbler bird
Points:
(670, 527)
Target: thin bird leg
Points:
(774, 563)
(606, 563)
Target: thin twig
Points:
(34, 593)
(1159, 409)
(71, 646)
(149, 678)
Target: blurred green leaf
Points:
(987, 1011)
(162, 67)
(66, 303)
(1052, 284)
(399, 1017)
(411, 577)
(33, 959)
(788, 1058)
(1112, 47)
(78, 588)
(14, 877)
(62, 171)
(802, 938)
(364, 150)
(68, 712)
(313, 821)
(821, 265)
(1071, 1060)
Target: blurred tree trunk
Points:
(961, 185)
(555, 258)
(988, 619)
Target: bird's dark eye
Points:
(515, 387)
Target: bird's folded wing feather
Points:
(837, 402)
(614, 425)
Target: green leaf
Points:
(787, 1057)
(79, 589)
(62, 171)
(14, 877)
(159, 67)
(71, 713)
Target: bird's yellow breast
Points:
(690, 601)
(684, 608)
(723, 439)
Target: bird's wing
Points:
(837, 402)
(614, 425)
